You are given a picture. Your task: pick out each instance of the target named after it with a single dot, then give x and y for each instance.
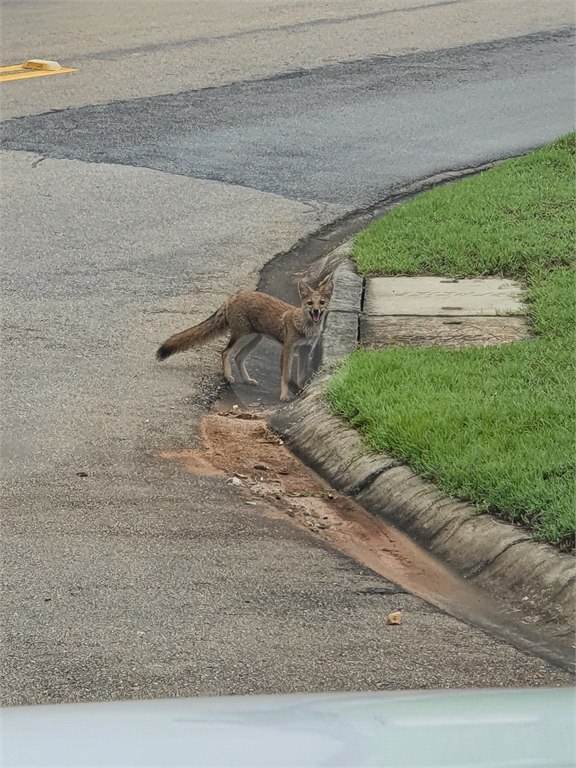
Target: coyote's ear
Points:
(326, 287)
(303, 289)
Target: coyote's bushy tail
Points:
(209, 329)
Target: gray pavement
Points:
(107, 262)
(124, 53)
(140, 579)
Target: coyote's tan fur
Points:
(248, 317)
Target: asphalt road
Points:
(344, 133)
(131, 214)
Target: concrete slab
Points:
(442, 296)
(420, 331)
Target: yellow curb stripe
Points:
(12, 68)
(31, 73)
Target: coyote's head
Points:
(315, 302)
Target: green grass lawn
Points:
(493, 425)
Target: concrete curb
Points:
(535, 578)
(343, 322)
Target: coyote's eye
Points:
(322, 302)
(310, 303)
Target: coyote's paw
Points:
(252, 382)
(229, 379)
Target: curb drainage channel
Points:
(298, 259)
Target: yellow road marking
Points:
(21, 73)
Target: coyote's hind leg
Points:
(241, 350)
(226, 367)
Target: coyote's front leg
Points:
(303, 360)
(286, 368)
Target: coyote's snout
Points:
(248, 317)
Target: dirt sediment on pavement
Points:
(243, 449)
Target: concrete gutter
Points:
(535, 579)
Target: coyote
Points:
(248, 317)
